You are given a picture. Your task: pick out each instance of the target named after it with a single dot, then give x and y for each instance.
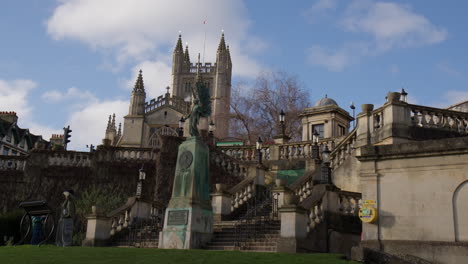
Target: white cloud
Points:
(383, 25)
(139, 30)
(13, 96)
(156, 77)
(89, 123)
(319, 9)
(391, 24)
(337, 60)
(71, 93)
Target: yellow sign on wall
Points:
(367, 214)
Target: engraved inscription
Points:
(177, 217)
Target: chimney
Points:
(9, 116)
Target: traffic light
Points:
(66, 135)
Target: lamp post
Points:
(404, 95)
(281, 119)
(354, 119)
(326, 172)
(315, 147)
(211, 128)
(141, 178)
(181, 127)
(259, 146)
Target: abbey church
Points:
(147, 119)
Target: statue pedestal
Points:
(188, 221)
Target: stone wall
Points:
(421, 192)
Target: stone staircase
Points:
(140, 235)
(263, 236)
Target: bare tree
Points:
(256, 107)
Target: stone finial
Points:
(222, 43)
(113, 121)
(109, 123)
(199, 77)
(178, 47)
(366, 108)
(393, 97)
(119, 132)
(186, 54)
(139, 85)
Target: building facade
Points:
(147, 120)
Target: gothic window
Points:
(155, 140)
(319, 129)
(5, 150)
(8, 138)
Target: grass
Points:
(71, 255)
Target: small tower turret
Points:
(111, 131)
(137, 101)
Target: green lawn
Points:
(71, 255)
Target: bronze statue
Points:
(64, 236)
(201, 106)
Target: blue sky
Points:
(74, 62)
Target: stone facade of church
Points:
(149, 119)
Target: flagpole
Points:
(204, 41)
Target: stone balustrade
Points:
(304, 190)
(228, 164)
(316, 215)
(17, 163)
(303, 149)
(177, 103)
(349, 203)
(246, 153)
(70, 159)
(428, 117)
(242, 193)
(121, 220)
(343, 150)
(120, 154)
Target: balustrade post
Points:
(221, 203)
(98, 229)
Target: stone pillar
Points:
(221, 203)
(98, 229)
(189, 217)
(280, 191)
(293, 228)
(364, 126)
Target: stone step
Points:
(246, 244)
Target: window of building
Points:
(319, 129)
(14, 152)
(341, 130)
(8, 138)
(6, 151)
(22, 144)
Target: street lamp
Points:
(259, 146)
(326, 171)
(141, 178)
(315, 147)
(404, 95)
(211, 128)
(281, 119)
(181, 127)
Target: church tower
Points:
(217, 77)
(133, 122)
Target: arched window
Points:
(155, 139)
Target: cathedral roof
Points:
(325, 101)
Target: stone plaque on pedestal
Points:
(189, 217)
